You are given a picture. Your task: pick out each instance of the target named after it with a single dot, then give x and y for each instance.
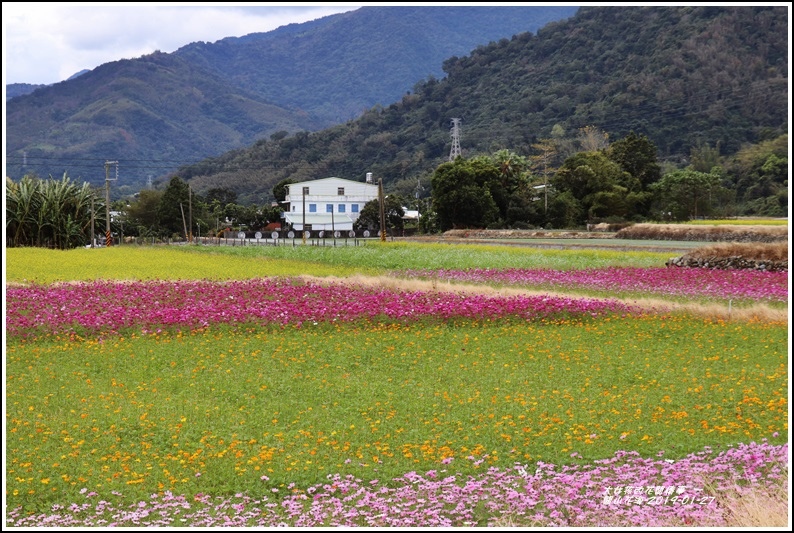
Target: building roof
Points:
(333, 180)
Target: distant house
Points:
(410, 215)
(328, 204)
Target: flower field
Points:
(204, 399)
(751, 285)
(95, 308)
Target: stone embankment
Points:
(728, 263)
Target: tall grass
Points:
(703, 232)
(749, 250)
(741, 222)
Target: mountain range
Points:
(163, 110)
(692, 79)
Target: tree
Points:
(461, 195)
(144, 212)
(703, 157)
(525, 210)
(369, 217)
(685, 194)
(251, 216)
(223, 195)
(599, 187)
(281, 189)
(758, 175)
(510, 179)
(565, 145)
(173, 204)
(592, 139)
(565, 211)
(428, 221)
(637, 155)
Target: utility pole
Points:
(455, 152)
(303, 228)
(92, 219)
(108, 237)
(184, 224)
(382, 211)
(190, 213)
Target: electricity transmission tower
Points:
(455, 152)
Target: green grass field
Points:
(240, 262)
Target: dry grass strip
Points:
(694, 232)
(757, 251)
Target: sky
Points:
(48, 42)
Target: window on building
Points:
(340, 191)
(312, 208)
(341, 208)
(305, 190)
(354, 208)
(329, 208)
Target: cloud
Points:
(47, 43)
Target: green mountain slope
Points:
(338, 67)
(683, 76)
(115, 112)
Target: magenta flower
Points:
(102, 307)
(692, 282)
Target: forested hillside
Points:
(337, 67)
(158, 111)
(18, 89)
(685, 77)
(117, 112)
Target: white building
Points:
(410, 214)
(330, 203)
